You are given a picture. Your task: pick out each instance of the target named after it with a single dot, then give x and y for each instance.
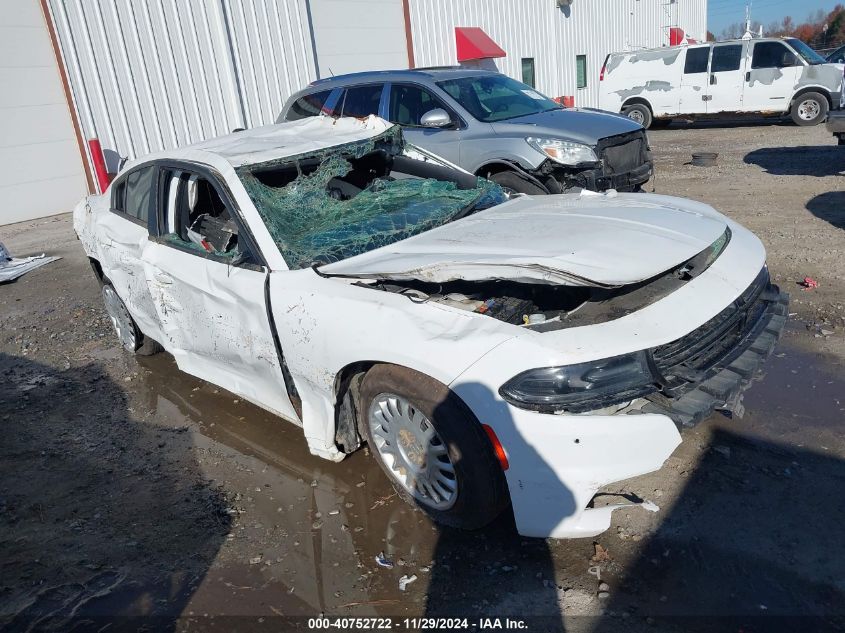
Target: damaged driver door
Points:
(209, 288)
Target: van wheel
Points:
(128, 332)
(639, 113)
(431, 447)
(512, 182)
(809, 108)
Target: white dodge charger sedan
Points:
(491, 350)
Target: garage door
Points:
(40, 165)
(358, 35)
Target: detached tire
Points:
(809, 109)
(512, 182)
(639, 113)
(431, 447)
(128, 333)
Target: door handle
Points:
(712, 80)
(163, 279)
(748, 76)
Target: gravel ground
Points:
(128, 488)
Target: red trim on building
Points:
(676, 36)
(474, 43)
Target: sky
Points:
(723, 13)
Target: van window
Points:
(726, 58)
(772, 55)
(696, 60)
(309, 105)
(361, 101)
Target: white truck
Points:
(769, 76)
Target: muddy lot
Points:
(128, 488)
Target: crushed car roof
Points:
(280, 140)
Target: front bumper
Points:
(559, 462)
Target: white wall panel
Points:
(41, 171)
(152, 74)
(553, 36)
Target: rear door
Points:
(407, 103)
(360, 101)
(726, 79)
(694, 81)
(771, 78)
(124, 232)
(209, 287)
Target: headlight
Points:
(581, 387)
(564, 152)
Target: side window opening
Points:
(134, 195)
(772, 55)
(361, 101)
(408, 103)
(696, 61)
(199, 217)
(726, 58)
(308, 106)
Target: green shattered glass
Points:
(310, 226)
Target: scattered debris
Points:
(601, 554)
(704, 159)
(383, 561)
(404, 581)
(809, 283)
(255, 560)
(13, 267)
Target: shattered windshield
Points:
(344, 201)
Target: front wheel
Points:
(809, 109)
(431, 447)
(127, 330)
(639, 113)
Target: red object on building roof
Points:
(474, 43)
(676, 36)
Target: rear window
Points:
(134, 195)
(309, 105)
(696, 60)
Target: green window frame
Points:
(529, 76)
(581, 70)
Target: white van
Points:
(771, 76)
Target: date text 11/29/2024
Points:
(417, 624)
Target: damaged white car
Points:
(489, 350)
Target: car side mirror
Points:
(436, 118)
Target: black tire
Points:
(639, 113)
(661, 124)
(134, 341)
(511, 181)
(481, 488)
(809, 109)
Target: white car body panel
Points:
(522, 239)
(214, 320)
(657, 77)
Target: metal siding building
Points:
(146, 75)
(554, 36)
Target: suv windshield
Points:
(808, 54)
(492, 98)
(344, 201)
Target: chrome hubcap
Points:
(636, 115)
(412, 450)
(120, 318)
(809, 110)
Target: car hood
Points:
(581, 126)
(588, 239)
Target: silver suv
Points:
(492, 126)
